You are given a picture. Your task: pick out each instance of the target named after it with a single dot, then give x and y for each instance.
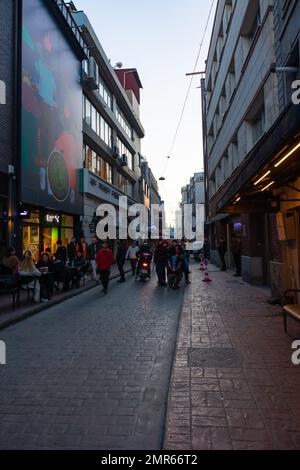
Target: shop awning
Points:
(271, 164)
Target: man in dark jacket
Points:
(236, 249)
(222, 250)
(206, 249)
(120, 259)
(186, 260)
(61, 252)
(161, 261)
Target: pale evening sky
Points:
(161, 38)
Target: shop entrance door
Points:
(50, 237)
(31, 237)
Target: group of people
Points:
(171, 260)
(62, 266)
(70, 263)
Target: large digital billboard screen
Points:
(51, 114)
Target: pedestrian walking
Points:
(236, 249)
(161, 261)
(186, 260)
(206, 249)
(132, 254)
(93, 249)
(104, 260)
(120, 259)
(222, 250)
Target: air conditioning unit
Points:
(116, 151)
(93, 74)
(124, 160)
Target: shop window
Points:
(67, 221)
(66, 235)
(33, 217)
(94, 162)
(31, 237)
(50, 237)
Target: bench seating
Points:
(290, 310)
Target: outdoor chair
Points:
(9, 284)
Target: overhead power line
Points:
(191, 82)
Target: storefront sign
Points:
(24, 213)
(53, 218)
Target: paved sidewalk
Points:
(8, 316)
(255, 404)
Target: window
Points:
(231, 79)
(258, 125)
(124, 185)
(124, 151)
(94, 163)
(129, 189)
(255, 121)
(88, 112)
(94, 119)
(98, 165)
(124, 124)
(250, 27)
(105, 93)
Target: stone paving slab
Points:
(254, 406)
(92, 372)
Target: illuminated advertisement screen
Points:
(51, 114)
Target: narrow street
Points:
(92, 372)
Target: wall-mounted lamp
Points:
(287, 156)
(262, 178)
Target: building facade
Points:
(70, 133)
(7, 100)
(41, 131)
(252, 135)
(193, 195)
(112, 131)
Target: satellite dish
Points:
(118, 65)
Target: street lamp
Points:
(162, 178)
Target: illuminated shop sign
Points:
(53, 218)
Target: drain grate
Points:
(214, 358)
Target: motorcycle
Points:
(144, 267)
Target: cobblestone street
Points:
(252, 404)
(92, 372)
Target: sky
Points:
(161, 39)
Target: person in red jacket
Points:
(104, 260)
